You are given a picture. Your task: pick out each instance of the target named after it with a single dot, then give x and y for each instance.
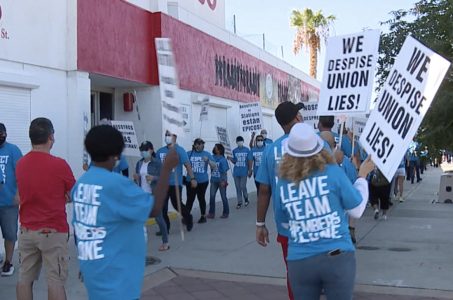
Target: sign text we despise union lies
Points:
(348, 75)
(403, 102)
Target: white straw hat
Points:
(303, 141)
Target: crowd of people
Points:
(317, 188)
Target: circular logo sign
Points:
(211, 3)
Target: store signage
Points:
(211, 3)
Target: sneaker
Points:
(224, 216)
(390, 203)
(7, 269)
(246, 203)
(401, 199)
(190, 223)
(210, 216)
(202, 220)
(239, 206)
(376, 214)
(384, 217)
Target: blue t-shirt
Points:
(108, 218)
(122, 166)
(316, 210)
(402, 163)
(222, 168)
(183, 159)
(256, 155)
(267, 141)
(349, 169)
(346, 146)
(9, 155)
(240, 160)
(267, 174)
(199, 166)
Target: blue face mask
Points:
(145, 154)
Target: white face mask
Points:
(145, 154)
(240, 144)
(117, 164)
(259, 144)
(168, 139)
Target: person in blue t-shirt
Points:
(109, 216)
(9, 200)
(326, 123)
(199, 160)
(241, 170)
(263, 133)
(219, 182)
(287, 115)
(414, 161)
(255, 157)
(316, 197)
(176, 180)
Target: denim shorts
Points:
(8, 222)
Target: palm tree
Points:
(311, 28)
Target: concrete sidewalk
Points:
(406, 257)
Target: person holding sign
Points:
(219, 182)
(263, 133)
(109, 213)
(199, 160)
(287, 115)
(170, 140)
(241, 170)
(315, 197)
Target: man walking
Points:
(44, 182)
(9, 155)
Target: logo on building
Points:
(211, 3)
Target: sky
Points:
(271, 17)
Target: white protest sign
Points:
(403, 102)
(349, 74)
(204, 109)
(309, 114)
(171, 108)
(186, 117)
(222, 135)
(130, 138)
(358, 125)
(251, 117)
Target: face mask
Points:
(240, 144)
(259, 144)
(264, 135)
(117, 164)
(168, 139)
(145, 154)
(2, 140)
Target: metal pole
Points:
(264, 42)
(234, 24)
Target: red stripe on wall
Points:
(116, 38)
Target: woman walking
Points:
(316, 197)
(219, 182)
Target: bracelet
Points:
(260, 224)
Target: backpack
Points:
(379, 179)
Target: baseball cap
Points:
(146, 145)
(303, 141)
(287, 111)
(2, 127)
(198, 141)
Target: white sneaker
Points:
(7, 269)
(384, 217)
(376, 214)
(401, 199)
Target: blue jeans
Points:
(241, 188)
(336, 274)
(8, 222)
(162, 227)
(213, 192)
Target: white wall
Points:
(151, 5)
(37, 32)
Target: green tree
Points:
(429, 21)
(312, 28)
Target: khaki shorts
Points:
(43, 246)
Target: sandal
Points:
(164, 247)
